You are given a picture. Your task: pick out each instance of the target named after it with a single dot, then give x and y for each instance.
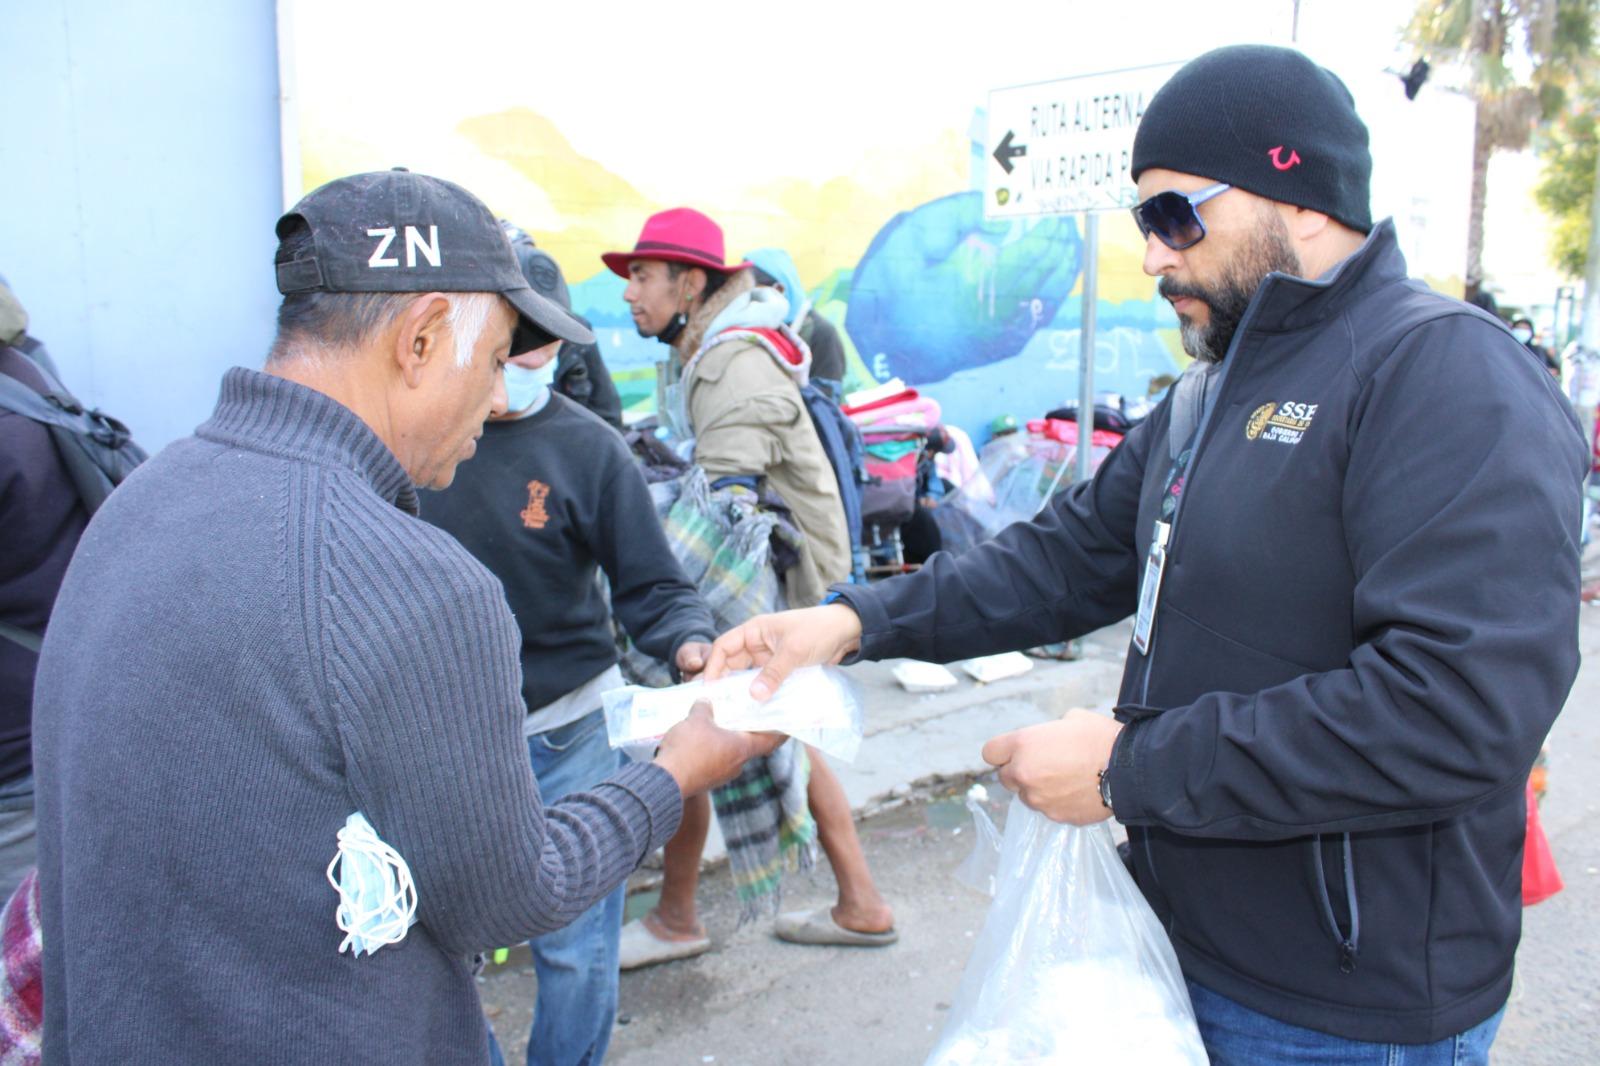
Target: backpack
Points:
(840, 439)
(841, 443)
(96, 449)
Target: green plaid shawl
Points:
(723, 541)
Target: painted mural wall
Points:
(865, 163)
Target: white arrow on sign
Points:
(1058, 147)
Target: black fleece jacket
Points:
(41, 519)
(1367, 625)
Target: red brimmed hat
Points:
(681, 235)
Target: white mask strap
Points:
(361, 849)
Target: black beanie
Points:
(1267, 120)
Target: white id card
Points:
(1150, 588)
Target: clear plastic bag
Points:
(1072, 966)
(816, 705)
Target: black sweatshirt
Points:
(41, 519)
(546, 500)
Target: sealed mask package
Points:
(815, 705)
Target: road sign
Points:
(1063, 146)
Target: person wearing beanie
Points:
(1354, 604)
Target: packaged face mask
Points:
(377, 899)
(816, 705)
(524, 387)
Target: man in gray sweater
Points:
(258, 637)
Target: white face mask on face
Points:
(525, 387)
(1522, 334)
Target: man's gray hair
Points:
(469, 314)
(313, 323)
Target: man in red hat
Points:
(733, 385)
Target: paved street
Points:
(755, 1000)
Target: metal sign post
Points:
(1091, 280)
(1066, 147)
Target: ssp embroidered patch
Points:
(1285, 423)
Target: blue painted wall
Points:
(140, 177)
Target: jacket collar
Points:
(1287, 303)
(265, 413)
(688, 342)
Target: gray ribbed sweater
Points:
(256, 637)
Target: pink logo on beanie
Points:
(1284, 164)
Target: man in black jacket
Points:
(1346, 539)
(41, 519)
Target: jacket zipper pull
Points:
(1347, 957)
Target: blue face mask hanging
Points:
(377, 899)
(525, 388)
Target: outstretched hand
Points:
(782, 643)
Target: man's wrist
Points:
(674, 768)
(850, 628)
(1104, 780)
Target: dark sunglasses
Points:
(1172, 217)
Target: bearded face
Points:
(1265, 249)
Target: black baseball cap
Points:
(395, 231)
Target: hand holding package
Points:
(815, 705)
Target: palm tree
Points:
(1516, 59)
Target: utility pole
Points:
(1294, 25)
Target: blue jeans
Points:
(576, 966)
(1235, 1035)
(18, 834)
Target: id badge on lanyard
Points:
(1155, 566)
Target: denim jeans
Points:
(18, 841)
(1235, 1035)
(576, 966)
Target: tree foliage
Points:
(1568, 147)
(1521, 62)
(1520, 58)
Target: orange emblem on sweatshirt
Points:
(534, 516)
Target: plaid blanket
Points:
(767, 826)
(22, 982)
(729, 543)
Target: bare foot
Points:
(661, 929)
(876, 918)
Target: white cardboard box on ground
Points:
(915, 675)
(987, 668)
